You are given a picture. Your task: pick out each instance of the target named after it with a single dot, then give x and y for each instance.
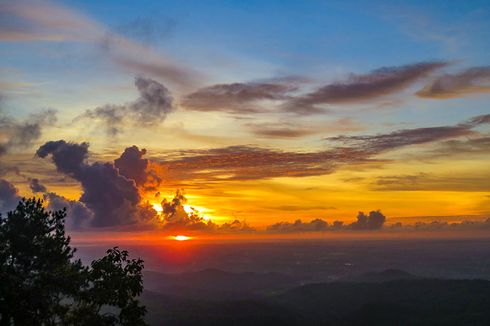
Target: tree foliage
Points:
(42, 284)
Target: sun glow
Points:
(158, 208)
(181, 237)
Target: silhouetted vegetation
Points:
(42, 284)
(397, 302)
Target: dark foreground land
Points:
(373, 299)
(399, 282)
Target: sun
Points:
(181, 237)
(158, 208)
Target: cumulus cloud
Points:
(17, 135)
(36, 186)
(9, 196)
(236, 97)
(22, 134)
(470, 81)
(176, 217)
(132, 165)
(467, 225)
(78, 216)
(113, 198)
(298, 226)
(359, 88)
(373, 221)
(151, 108)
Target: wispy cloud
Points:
(384, 142)
(359, 88)
(47, 21)
(249, 162)
(298, 129)
(237, 97)
(471, 81)
(432, 182)
(151, 108)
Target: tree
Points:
(42, 284)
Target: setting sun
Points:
(181, 237)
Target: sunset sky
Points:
(256, 112)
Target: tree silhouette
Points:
(42, 284)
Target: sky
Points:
(233, 116)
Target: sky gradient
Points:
(255, 114)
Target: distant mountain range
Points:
(390, 297)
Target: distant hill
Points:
(398, 302)
(217, 284)
(383, 276)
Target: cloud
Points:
(36, 186)
(360, 88)
(150, 109)
(113, 198)
(176, 217)
(470, 81)
(467, 225)
(9, 196)
(458, 147)
(430, 182)
(132, 165)
(295, 130)
(46, 21)
(298, 226)
(16, 135)
(78, 216)
(373, 221)
(23, 134)
(384, 142)
(251, 163)
(283, 130)
(236, 97)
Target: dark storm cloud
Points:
(236, 97)
(36, 186)
(359, 88)
(77, 214)
(151, 108)
(132, 165)
(69, 158)
(113, 198)
(9, 196)
(470, 81)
